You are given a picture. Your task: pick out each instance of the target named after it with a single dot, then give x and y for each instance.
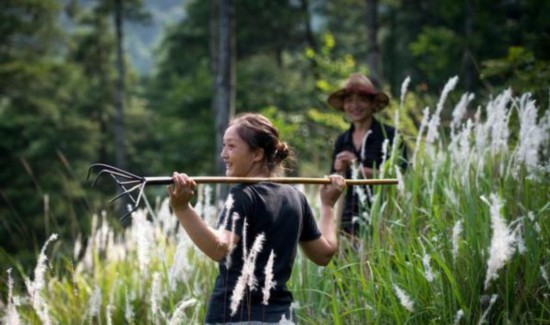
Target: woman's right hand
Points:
(182, 191)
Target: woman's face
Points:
(358, 107)
(239, 159)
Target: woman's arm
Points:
(321, 250)
(215, 244)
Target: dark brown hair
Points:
(258, 132)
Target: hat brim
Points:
(336, 99)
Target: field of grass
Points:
(464, 238)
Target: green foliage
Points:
(521, 71)
(55, 118)
(183, 124)
(281, 27)
(427, 49)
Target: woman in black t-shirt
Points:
(259, 228)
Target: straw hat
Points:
(358, 84)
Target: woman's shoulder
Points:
(278, 189)
(343, 137)
(241, 191)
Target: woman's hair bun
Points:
(282, 151)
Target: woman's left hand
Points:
(331, 192)
(182, 191)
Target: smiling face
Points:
(240, 160)
(358, 108)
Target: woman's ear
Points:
(259, 154)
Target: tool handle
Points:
(165, 180)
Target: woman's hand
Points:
(331, 192)
(182, 191)
(343, 161)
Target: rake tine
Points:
(122, 178)
(121, 175)
(122, 183)
(126, 192)
(125, 216)
(129, 177)
(104, 171)
(115, 169)
(140, 194)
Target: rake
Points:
(133, 185)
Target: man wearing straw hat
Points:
(362, 144)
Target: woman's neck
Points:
(259, 170)
(362, 126)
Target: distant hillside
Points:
(142, 40)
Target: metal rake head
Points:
(132, 185)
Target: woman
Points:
(259, 229)
(362, 143)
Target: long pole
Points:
(164, 180)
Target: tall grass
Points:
(464, 238)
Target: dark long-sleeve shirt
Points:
(372, 157)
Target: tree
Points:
(373, 54)
(120, 148)
(121, 10)
(224, 76)
(46, 140)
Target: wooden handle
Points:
(280, 180)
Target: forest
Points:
(469, 83)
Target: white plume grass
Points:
(235, 217)
(269, 283)
(433, 126)
(422, 127)
(533, 135)
(179, 312)
(502, 241)
(128, 309)
(404, 87)
(483, 317)
(35, 287)
(428, 273)
(247, 278)
(404, 299)
(143, 233)
(12, 315)
(457, 231)
(458, 317)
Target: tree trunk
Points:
(467, 63)
(373, 50)
(120, 148)
(213, 42)
(310, 37)
(224, 80)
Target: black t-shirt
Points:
(373, 157)
(281, 214)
